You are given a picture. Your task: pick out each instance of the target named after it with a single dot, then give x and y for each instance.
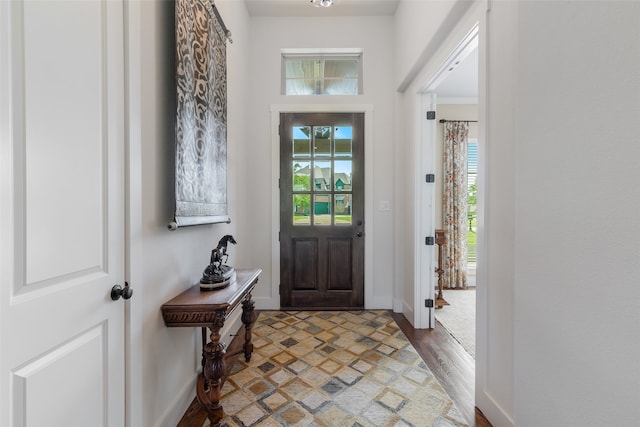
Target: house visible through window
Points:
(327, 73)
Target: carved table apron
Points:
(210, 309)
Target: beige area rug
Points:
(335, 369)
(459, 317)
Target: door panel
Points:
(82, 356)
(305, 257)
(322, 210)
(62, 216)
(339, 263)
(62, 94)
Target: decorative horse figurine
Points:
(218, 275)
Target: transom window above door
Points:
(322, 73)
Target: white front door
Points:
(62, 213)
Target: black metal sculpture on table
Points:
(217, 274)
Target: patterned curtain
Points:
(454, 204)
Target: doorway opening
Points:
(273, 301)
(455, 91)
(458, 316)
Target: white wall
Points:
(422, 26)
(495, 336)
(270, 35)
(405, 188)
(576, 202)
(171, 261)
(237, 21)
(495, 339)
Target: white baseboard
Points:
(173, 413)
(493, 411)
(407, 310)
(374, 303)
(267, 303)
(378, 303)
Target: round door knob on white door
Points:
(118, 291)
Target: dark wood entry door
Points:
(321, 210)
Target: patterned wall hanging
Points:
(201, 121)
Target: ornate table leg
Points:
(248, 319)
(214, 368)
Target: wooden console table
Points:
(210, 309)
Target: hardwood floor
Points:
(450, 363)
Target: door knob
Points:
(359, 234)
(118, 291)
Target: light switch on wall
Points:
(384, 205)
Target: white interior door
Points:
(62, 213)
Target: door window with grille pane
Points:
(322, 180)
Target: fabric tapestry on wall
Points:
(201, 116)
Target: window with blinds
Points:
(337, 73)
(472, 200)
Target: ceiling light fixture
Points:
(322, 3)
